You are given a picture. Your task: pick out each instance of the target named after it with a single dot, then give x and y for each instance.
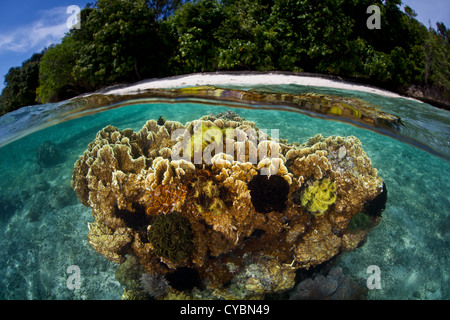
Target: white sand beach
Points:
(246, 79)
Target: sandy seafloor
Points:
(44, 227)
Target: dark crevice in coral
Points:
(136, 220)
(268, 194)
(296, 197)
(136, 151)
(184, 279)
(257, 233)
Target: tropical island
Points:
(125, 41)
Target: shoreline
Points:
(247, 78)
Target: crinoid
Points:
(165, 198)
(171, 236)
(318, 197)
(208, 195)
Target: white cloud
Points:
(35, 36)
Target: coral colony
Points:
(217, 208)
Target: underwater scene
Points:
(268, 192)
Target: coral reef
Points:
(335, 286)
(346, 108)
(263, 277)
(164, 198)
(235, 217)
(318, 197)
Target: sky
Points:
(28, 26)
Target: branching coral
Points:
(318, 197)
(171, 236)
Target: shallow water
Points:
(44, 226)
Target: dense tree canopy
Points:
(21, 83)
(121, 44)
(123, 41)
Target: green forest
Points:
(124, 41)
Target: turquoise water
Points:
(44, 227)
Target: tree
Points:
(245, 39)
(124, 45)
(193, 27)
(165, 8)
(56, 81)
(56, 71)
(126, 41)
(437, 52)
(20, 85)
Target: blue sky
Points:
(28, 26)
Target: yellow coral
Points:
(318, 197)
